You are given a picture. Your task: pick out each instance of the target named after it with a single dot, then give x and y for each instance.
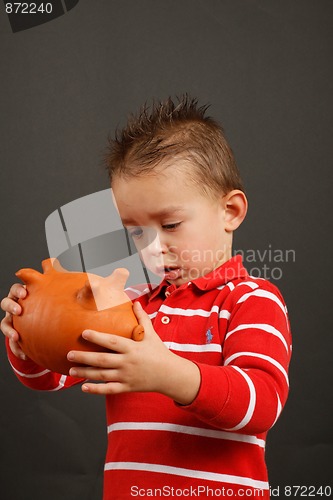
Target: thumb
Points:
(141, 316)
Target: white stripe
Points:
(186, 429)
(220, 287)
(224, 314)
(261, 356)
(260, 326)
(62, 381)
(134, 290)
(231, 286)
(29, 375)
(252, 402)
(188, 312)
(264, 294)
(248, 283)
(279, 409)
(175, 346)
(179, 471)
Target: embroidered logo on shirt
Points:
(209, 336)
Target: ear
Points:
(235, 206)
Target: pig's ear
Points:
(29, 276)
(52, 264)
(117, 280)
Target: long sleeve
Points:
(249, 390)
(36, 377)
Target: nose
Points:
(156, 247)
(153, 252)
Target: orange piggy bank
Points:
(60, 305)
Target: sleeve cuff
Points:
(213, 393)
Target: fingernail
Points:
(85, 388)
(70, 356)
(23, 356)
(72, 372)
(15, 309)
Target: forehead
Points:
(166, 180)
(160, 193)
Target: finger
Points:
(95, 374)
(108, 340)
(10, 306)
(15, 348)
(7, 328)
(17, 291)
(95, 359)
(141, 316)
(104, 389)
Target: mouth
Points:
(170, 272)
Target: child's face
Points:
(179, 232)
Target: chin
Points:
(178, 281)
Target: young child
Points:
(189, 407)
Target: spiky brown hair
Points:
(169, 131)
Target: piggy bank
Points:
(61, 304)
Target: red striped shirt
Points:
(236, 329)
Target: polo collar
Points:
(229, 271)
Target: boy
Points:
(189, 407)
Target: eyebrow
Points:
(167, 212)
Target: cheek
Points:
(203, 249)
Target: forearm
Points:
(36, 377)
(231, 398)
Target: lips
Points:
(171, 273)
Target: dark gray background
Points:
(266, 68)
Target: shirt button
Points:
(165, 320)
(167, 294)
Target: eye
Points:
(171, 227)
(135, 232)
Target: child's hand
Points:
(11, 307)
(145, 366)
